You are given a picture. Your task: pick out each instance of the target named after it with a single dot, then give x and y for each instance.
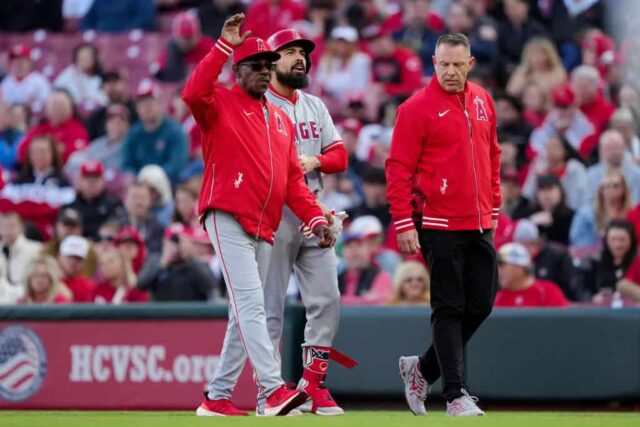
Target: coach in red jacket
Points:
(443, 173)
(251, 171)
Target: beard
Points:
(292, 80)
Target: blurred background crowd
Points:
(101, 164)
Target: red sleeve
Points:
(334, 159)
(588, 144)
(406, 145)
(299, 198)
(411, 76)
(633, 273)
(494, 154)
(554, 296)
(199, 92)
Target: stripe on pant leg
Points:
(235, 305)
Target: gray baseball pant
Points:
(244, 265)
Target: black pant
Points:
(463, 270)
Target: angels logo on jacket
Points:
(23, 363)
(481, 112)
(280, 125)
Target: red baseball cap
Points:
(254, 47)
(92, 168)
(20, 51)
(351, 124)
(147, 88)
(563, 96)
(175, 229)
(185, 25)
(128, 234)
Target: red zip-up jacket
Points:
(444, 163)
(250, 166)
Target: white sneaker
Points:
(416, 388)
(464, 406)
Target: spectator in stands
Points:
(114, 16)
(155, 139)
(343, 68)
(69, 223)
(602, 271)
(61, 124)
(196, 244)
(411, 285)
(16, 251)
(212, 14)
(118, 283)
(396, 71)
(43, 284)
(27, 15)
(628, 97)
(20, 117)
(416, 33)
(94, 204)
(510, 122)
(115, 88)
(265, 17)
(24, 85)
(178, 275)
(186, 203)
(561, 160)
(369, 230)
(73, 254)
(161, 195)
(633, 216)
(43, 165)
(612, 202)
(629, 286)
(599, 51)
(518, 286)
(613, 155)
(566, 120)
(374, 186)
(514, 204)
(9, 294)
(106, 149)
(623, 121)
(374, 139)
(585, 82)
(550, 261)
(535, 103)
(106, 235)
(514, 32)
(186, 47)
(540, 65)
(362, 282)
(10, 136)
(129, 242)
(138, 202)
(181, 114)
(551, 213)
(82, 78)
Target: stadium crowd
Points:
(101, 164)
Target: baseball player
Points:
(251, 171)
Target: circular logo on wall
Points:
(23, 363)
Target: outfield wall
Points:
(159, 356)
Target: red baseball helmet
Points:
(289, 36)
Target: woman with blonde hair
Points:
(42, 283)
(541, 65)
(412, 285)
(612, 201)
(118, 279)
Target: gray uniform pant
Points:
(244, 266)
(315, 270)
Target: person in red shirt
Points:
(73, 255)
(586, 84)
(266, 17)
(61, 124)
(629, 286)
(518, 286)
(633, 216)
(396, 70)
(118, 284)
(42, 283)
(186, 47)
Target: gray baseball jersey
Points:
(315, 131)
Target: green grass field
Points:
(352, 419)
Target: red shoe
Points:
(219, 408)
(321, 403)
(281, 402)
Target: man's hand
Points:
(327, 239)
(309, 163)
(408, 242)
(231, 30)
(325, 211)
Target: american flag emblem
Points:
(23, 363)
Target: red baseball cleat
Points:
(219, 408)
(321, 403)
(281, 402)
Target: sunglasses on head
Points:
(259, 65)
